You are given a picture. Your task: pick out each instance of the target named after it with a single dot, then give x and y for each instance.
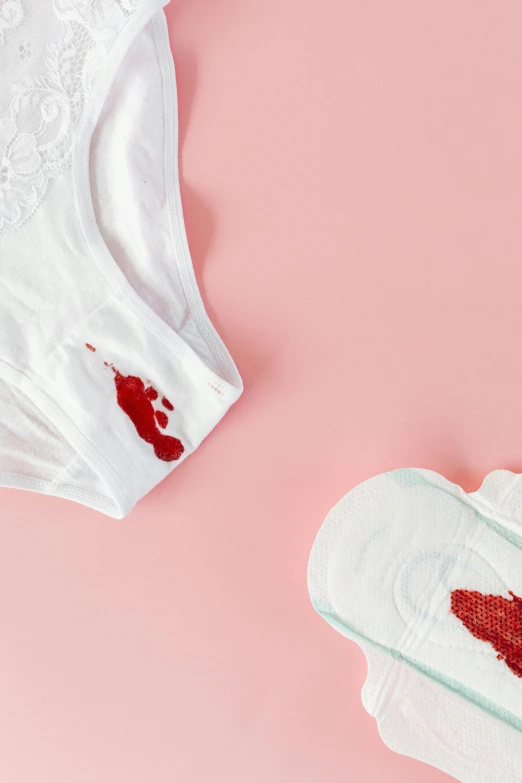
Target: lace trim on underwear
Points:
(37, 135)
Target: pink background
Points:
(352, 181)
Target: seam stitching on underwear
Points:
(101, 465)
(51, 484)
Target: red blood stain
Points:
(161, 418)
(90, 347)
(167, 404)
(493, 619)
(134, 399)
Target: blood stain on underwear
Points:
(167, 404)
(493, 619)
(135, 399)
(90, 347)
(161, 418)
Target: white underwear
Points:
(111, 373)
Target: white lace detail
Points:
(11, 16)
(37, 134)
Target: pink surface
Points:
(353, 191)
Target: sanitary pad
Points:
(428, 580)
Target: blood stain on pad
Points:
(393, 568)
(495, 620)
